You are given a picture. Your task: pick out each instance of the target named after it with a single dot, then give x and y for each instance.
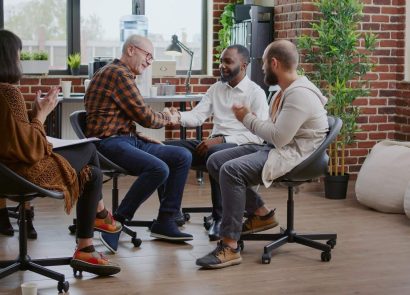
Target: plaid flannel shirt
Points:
(113, 103)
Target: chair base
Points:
(37, 265)
(23, 262)
(286, 236)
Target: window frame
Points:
(74, 34)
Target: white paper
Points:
(58, 143)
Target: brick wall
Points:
(385, 113)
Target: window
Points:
(183, 18)
(46, 29)
(92, 27)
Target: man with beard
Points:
(227, 132)
(296, 128)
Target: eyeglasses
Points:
(148, 56)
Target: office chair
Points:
(314, 166)
(112, 171)
(18, 189)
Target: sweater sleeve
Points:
(295, 111)
(24, 141)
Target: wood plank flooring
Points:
(372, 255)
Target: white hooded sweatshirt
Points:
(298, 128)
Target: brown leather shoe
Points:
(254, 223)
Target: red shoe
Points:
(107, 224)
(93, 262)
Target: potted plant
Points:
(340, 55)
(35, 62)
(74, 62)
(227, 21)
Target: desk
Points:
(55, 119)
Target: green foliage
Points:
(35, 55)
(74, 60)
(25, 55)
(340, 55)
(227, 22)
(40, 55)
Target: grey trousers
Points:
(237, 170)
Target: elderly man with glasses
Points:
(114, 104)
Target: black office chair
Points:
(112, 171)
(18, 189)
(316, 165)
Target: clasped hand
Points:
(43, 106)
(240, 111)
(174, 115)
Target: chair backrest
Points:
(78, 122)
(17, 188)
(316, 164)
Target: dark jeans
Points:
(198, 160)
(157, 166)
(78, 156)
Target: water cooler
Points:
(137, 24)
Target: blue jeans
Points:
(198, 160)
(157, 166)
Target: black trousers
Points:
(79, 156)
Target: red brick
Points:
(377, 136)
(29, 81)
(50, 81)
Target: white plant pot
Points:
(35, 66)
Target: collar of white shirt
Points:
(243, 85)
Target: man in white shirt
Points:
(234, 88)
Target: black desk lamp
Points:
(175, 49)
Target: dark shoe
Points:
(110, 240)
(93, 262)
(254, 223)
(180, 218)
(168, 230)
(31, 231)
(214, 230)
(5, 225)
(222, 256)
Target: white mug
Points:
(154, 91)
(29, 288)
(66, 88)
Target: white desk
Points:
(58, 123)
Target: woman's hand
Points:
(43, 106)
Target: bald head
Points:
(285, 52)
(138, 41)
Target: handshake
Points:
(174, 114)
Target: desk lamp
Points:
(175, 49)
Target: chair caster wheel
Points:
(63, 286)
(331, 243)
(326, 256)
(137, 242)
(72, 228)
(80, 273)
(187, 216)
(241, 245)
(266, 258)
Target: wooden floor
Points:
(372, 255)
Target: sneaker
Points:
(168, 230)
(222, 256)
(93, 262)
(110, 240)
(107, 224)
(254, 223)
(180, 218)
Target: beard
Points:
(232, 74)
(270, 78)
